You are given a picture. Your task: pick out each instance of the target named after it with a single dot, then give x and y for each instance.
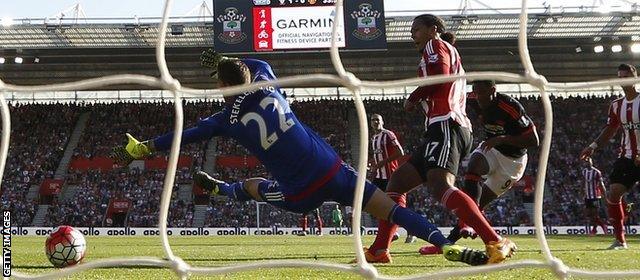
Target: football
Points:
(65, 246)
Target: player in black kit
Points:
(500, 160)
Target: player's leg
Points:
(503, 173)
(304, 221)
(240, 191)
(451, 143)
(382, 207)
(487, 196)
(319, 222)
(442, 182)
(593, 215)
(382, 185)
(258, 189)
(498, 181)
(478, 166)
(590, 216)
(404, 179)
(615, 210)
(601, 222)
(623, 177)
(589, 219)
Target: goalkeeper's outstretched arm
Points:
(206, 129)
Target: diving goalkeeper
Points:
(306, 169)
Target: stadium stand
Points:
(35, 156)
(40, 133)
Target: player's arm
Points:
(527, 136)
(603, 189)
(613, 123)
(605, 135)
(438, 62)
(205, 129)
(527, 139)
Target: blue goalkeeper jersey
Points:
(262, 121)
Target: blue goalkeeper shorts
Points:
(339, 188)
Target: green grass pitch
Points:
(576, 251)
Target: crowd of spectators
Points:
(95, 189)
(39, 137)
(109, 122)
(40, 133)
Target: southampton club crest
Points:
(366, 17)
(231, 22)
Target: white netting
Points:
(344, 78)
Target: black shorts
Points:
(446, 143)
(592, 203)
(625, 172)
(381, 183)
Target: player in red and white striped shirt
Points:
(447, 141)
(593, 190)
(623, 113)
(386, 152)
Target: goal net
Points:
(355, 85)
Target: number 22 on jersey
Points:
(267, 139)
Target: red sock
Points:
(386, 229)
(467, 211)
(602, 224)
(616, 216)
(319, 222)
(303, 222)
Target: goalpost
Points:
(355, 85)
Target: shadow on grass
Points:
(289, 257)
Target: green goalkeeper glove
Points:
(210, 59)
(135, 149)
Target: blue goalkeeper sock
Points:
(417, 225)
(234, 191)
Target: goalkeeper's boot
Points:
(430, 250)
(380, 256)
(208, 183)
(395, 237)
(617, 245)
(457, 253)
(499, 251)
